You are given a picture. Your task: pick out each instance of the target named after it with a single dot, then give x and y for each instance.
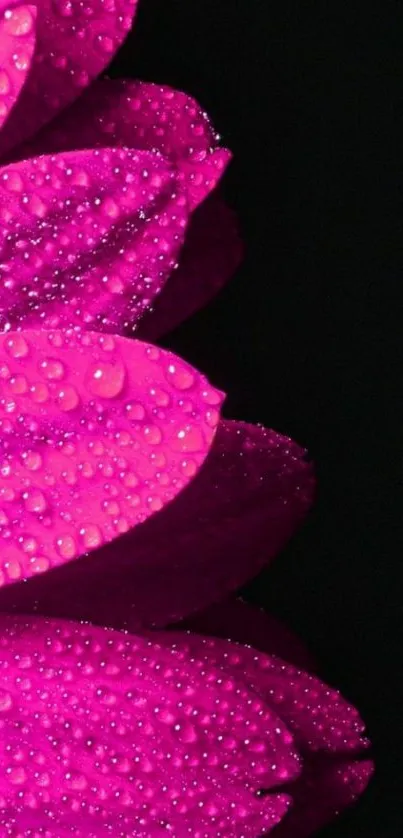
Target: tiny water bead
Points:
(87, 240)
(123, 734)
(82, 428)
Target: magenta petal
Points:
(74, 43)
(110, 734)
(87, 238)
(318, 716)
(321, 793)
(98, 433)
(210, 256)
(144, 116)
(331, 779)
(239, 621)
(17, 44)
(239, 511)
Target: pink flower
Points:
(106, 733)
(116, 448)
(100, 181)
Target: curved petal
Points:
(318, 716)
(17, 44)
(329, 782)
(98, 433)
(322, 792)
(237, 513)
(75, 42)
(241, 622)
(118, 735)
(210, 256)
(87, 238)
(145, 116)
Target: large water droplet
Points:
(106, 379)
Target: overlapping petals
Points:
(97, 434)
(236, 513)
(75, 41)
(144, 116)
(336, 768)
(87, 238)
(105, 733)
(95, 207)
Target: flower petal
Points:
(239, 621)
(237, 513)
(98, 433)
(108, 734)
(210, 256)
(330, 780)
(144, 116)
(17, 44)
(87, 238)
(323, 790)
(318, 716)
(75, 41)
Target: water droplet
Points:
(35, 501)
(18, 384)
(17, 346)
(52, 369)
(106, 379)
(39, 393)
(32, 460)
(66, 546)
(68, 398)
(6, 701)
(18, 21)
(91, 535)
(180, 377)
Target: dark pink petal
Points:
(210, 256)
(97, 434)
(17, 44)
(109, 734)
(87, 238)
(332, 778)
(239, 511)
(237, 620)
(318, 716)
(323, 790)
(74, 42)
(143, 116)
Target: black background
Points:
(307, 337)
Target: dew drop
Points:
(180, 377)
(66, 546)
(68, 398)
(52, 369)
(35, 501)
(106, 379)
(91, 535)
(17, 346)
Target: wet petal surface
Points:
(238, 511)
(87, 238)
(75, 41)
(110, 734)
(144, 116)
(336, 769)
(96, 435)
(17, 45)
